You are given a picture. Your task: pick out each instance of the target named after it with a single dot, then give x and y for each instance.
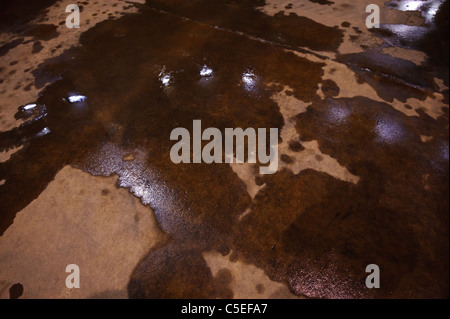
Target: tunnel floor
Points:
(87, 177)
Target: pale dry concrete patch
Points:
(433, 106)
(249, 282)
(83, 220)
(247, 173)
(5, 156)
(346, 80)
(426, 138)
(441, 85)
(311, 157)
(414, 56)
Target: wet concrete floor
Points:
(363, 139)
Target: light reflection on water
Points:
(29, 107)
(43, 132)
(249, 80)
(389, 131)
(165, 77)
(77, 98)
(428, 8)
(206, 71)
(338, 114)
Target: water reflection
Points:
(43, 132)
(428, 8)
(77, 98)
(206, 72)
(409, 33)
(249, 80)
(165, 77)
(444, 151)
(338, 114)
(29, 107)
(388, 130)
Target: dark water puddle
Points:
(427, 8)
(385, 217)
(141, 77)
(431, 38)
(178, 271)
(135, 79)
(436, 44)
(241, 16)
(391, 77)
(43, 32)
(397, 78)
(325, 231)
(16, 291)
(323, 2)
(14, 14)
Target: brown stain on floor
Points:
(16, 291)
(311, 231)
(292, 30)
(43, 32)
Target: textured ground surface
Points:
(363, 147)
